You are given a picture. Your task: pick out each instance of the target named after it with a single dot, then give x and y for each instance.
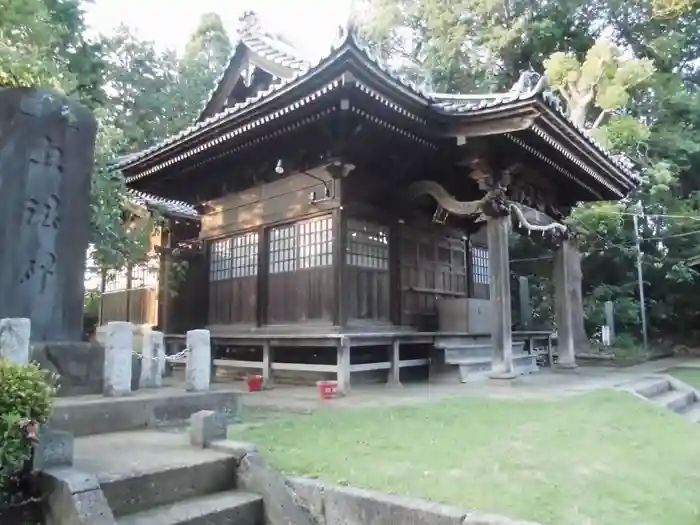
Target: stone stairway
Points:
(132, 462)
(157, 478)
(670, 393)
(472, 358)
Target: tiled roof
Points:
(274, 49)
(169, 206)
(442, 104)
(268, 47)
(467, 104)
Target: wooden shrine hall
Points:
(337, 220)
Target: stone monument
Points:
(46, 162)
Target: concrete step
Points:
(675, 400)
(223, 508)
(144, 491)
(692, 412)
(478, 368)
(90, 415)
(652, 387)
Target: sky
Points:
(311, 25)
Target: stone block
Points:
(46, 162)
(79, 367)
(479, 518)
(54, 448)
(198, 371)
(352, 506)
(74, 498)
(118, 358)
(152, 352)
(310, 494)
(207, 426)
(238, 449)
(281, 507)
(14, 339)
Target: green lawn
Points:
(687, 375)
(604, 458)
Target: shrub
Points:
(26, 399)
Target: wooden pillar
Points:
(469, 269)
(343, 364)
(497, 229)
(395, 293)
(567, 291)
(262, 278)
(128, 293)
(103, 286)
(395, 364)
(340, 234)
(267, 363)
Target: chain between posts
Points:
(173, 357)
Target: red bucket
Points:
(254, 383)
(327, 389)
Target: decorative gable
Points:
(259, 61)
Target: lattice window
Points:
(234, 257)
(244, 260)
(144, 275)
(316, 242)
(283, 257)
(303, 245)
(480, 264)
(368, 245)
(115, 281)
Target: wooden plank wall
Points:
(280, 297)
(268, 204)
(432, 265)
(143, 306)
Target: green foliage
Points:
(139, 95)
(26, 395)
(603, 79)
(650, 114)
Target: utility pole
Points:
(640, 280)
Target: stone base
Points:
(79, 366)
(83, 416)
(565, 367)
(503, 375)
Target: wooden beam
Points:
(492, 126)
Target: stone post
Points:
(497, 229)
(14, 339)
(394, 377)
(610, 319)
(525, 304)
(198, 371)
(268, 355)
(119, 343)
(343, 364)
(152, 353)
(571, 335)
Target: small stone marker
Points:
(54, 448)
(14, 339)
(158, 345)
(525, 302)
(151, 347)
(119, 341)
(610, 319)
(207, 426)
(198, 372)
